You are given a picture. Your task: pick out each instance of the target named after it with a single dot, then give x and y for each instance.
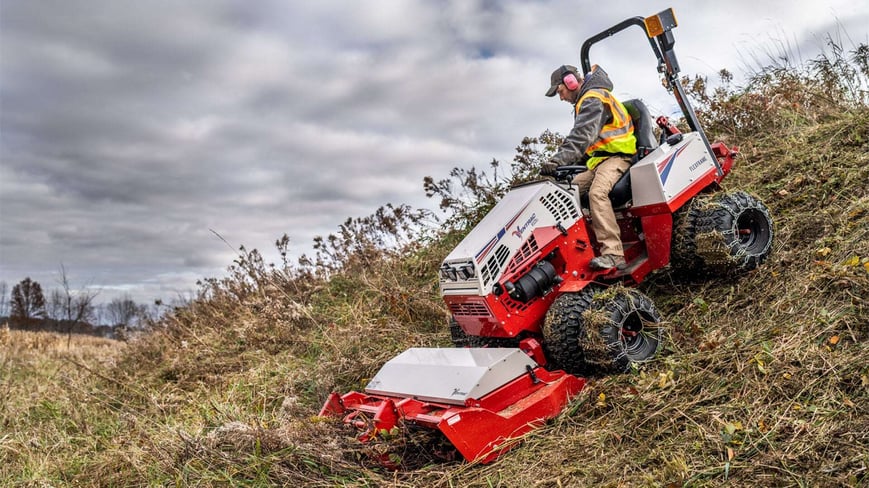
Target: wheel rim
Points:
(638, 340)
(752, 231)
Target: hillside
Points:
(764, 382)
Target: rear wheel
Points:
(735, 234)
(721, 234)
(683, 251)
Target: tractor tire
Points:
(684, 259)
(563, 329)
(622, 329)
(720, 234)
(734, 234)
(598, 331)
(458, 335)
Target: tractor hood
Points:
(482, 255)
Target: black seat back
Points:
(643, 124)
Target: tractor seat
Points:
(646, 143)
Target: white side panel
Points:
(665, 173)
(449, 375)
(646, 187)
(505, 212)
(690, 161)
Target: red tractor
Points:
(528, 312)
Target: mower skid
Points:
(480, 428)
(481, 435)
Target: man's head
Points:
(565, 81)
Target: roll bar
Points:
(659, 30)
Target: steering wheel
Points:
(566, 173)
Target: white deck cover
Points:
(449, 375)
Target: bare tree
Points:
(54, 306)
(76, 305)
(123, 311)
(99, 314)
(28, 302)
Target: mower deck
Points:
(479, 398)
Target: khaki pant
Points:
(598, 183)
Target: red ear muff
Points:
(571, 82)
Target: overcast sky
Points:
(130, 130)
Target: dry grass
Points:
(19, 342)
(45, 415)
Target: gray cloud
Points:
(130, 131)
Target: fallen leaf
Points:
(601, 400)
(834, 340)
(664, 379)
(760, 366)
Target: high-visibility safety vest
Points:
(617, 137)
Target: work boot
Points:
(607, 261)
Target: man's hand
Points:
(548, 169)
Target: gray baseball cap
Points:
(558, 78)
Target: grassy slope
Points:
(765, 381)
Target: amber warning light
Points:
(661, 22)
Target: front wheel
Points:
(600, 331)
(494, 342)
(629, 331)
(564, 328)
(458, 335)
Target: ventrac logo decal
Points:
(501, 233)
(522, 228)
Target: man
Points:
(603, 139)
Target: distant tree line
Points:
(67, 310)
